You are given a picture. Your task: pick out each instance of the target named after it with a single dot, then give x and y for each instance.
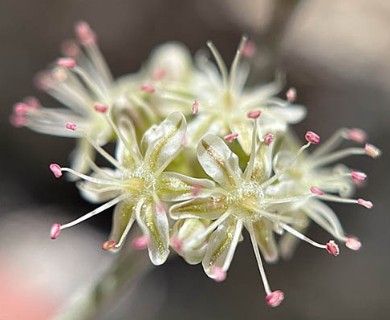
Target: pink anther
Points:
(55, 231)
(268, 138)
(84, 33)
(254, 114)
(231, 137)
(32, 102)
(148, 88)
(218, 274)
(353, 243)
(275, 298)
(195, 107)
(100, 107)
(68, 63)
(291, 94)
(71, 126)
(21, 109)
(357, 135)
(364, 203)
(317, 191)
(358, 176)
(108, 245)
(332, 248)
(69, 48)
(56, 169)
(18, 121)
(312, 137)
(140, 243)
(248, 50)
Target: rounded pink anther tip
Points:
(275, 298)
(372, 151)
(195, 107)
(231, 137)
(218, 274)
(364, 203)
(357, 135)
(84, 33)
(312, 137)
(108, 245)
(332, 248)
(71, 126)
(56, 169)
(32, 102)
(55, 231)
(100, 107)
(317, 191)
(148, 88)
(70, 49)
(176, 243)
(68, 63)
(268, 138)
(353, 243)
(358, 176)
(248, 50)
(291, 94)
(21, 108)
(140, 243)
(254, 114)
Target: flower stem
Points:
(87, 303)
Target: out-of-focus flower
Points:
(78, 81)
(138, 185)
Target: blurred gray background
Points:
(336, 53)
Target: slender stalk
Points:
(87, 303)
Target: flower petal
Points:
(244, 128)
(266, 240)
(221, 246)
(177, 187)
(183, 232)
(123, 215)
(154, 224)
(200, 208)
(219, 162)
(166, 141)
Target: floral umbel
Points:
(234, 171)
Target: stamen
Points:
(353, 243)
(268, 138)
(69, 48)
(100, 107)
(56, 169)
(140, 243)
(21, 109)
(148, 88)
(364, 203)
(218, 273)
(108, 245)
(195, 107)
(18, 121)
(71, 126)
(220, 63)
(236, 62)
(317, 191)
(357, 135)
(291, 94)
(372, 151)
(32, 102)
(230, 137)
(332, 248)
(274, 298)
(358, 176)
(254, 114)
(68, 63)
(312, 137)
(55, 231)
(85, 34)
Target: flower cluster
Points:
(201, 159)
